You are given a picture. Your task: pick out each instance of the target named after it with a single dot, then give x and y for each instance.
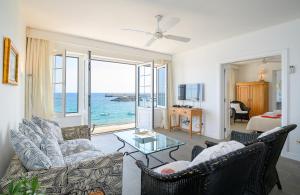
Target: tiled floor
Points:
(289, 170)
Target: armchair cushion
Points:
(173, 167)
(237, 108)
(51, 148)
(49, 127)
(269, 132)
(75, 146)
(30, 155)
(216, 151)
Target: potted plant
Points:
(24, 186)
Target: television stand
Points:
(186, 112)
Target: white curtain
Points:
(39, 93)
(165, 122)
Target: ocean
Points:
(104, 111)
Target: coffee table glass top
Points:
(147, 141)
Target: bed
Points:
(263, 123)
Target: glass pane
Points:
(58, 75)
(58, 97)
(72, 64)
(148, 70)
(58, 61)
(161, 87)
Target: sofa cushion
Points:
(48, 126)
(75, 146)
(29, 154)
(51, 148)
(31, 134)
(81, 156)
(172, 167)
(33, 126)
(216, 151)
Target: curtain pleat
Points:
(39, 92)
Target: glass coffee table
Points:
(148, 142)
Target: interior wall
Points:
(203, 65)
(249, 72)
(12, 97)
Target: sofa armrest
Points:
(100, 173)
(52, 180)
(76, 132)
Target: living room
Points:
(182, 44)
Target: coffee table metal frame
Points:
(175, 148)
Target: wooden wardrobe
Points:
(254, 95)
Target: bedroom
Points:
(253, 94)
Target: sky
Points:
(106, 77)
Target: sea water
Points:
(103, 110)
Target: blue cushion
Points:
(51, 148)
(31, 134)
(29, 154)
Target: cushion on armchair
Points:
(216, 151)
(173, 167)
(31, 134)
(30, 155)
(81, 156)
(269, 132)
(237, 108)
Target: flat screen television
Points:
(191, 92)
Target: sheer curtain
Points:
(165, 121)
(39, 93)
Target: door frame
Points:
(285, 90)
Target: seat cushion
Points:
(237, 108)
(172, 167)
(216, 151)
(29, 154)
(269, 132)
(81, 156)
(49, 127)
(50, 147)
(75, 146)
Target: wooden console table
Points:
(186, 112)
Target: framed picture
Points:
(10, 62)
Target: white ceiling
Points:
(204, 21)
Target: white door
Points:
(227, 110)
(145, 96)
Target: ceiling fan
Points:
(161, 30)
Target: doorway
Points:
(253, 94)
(113, 96)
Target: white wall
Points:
(11, 97)
(203, 65)
(249, 73)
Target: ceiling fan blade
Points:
(177, 38)
(166, 25)
(139, 31)
(150, 42)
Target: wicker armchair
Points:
(241, 116)
(101, 173)
(274, 144)
(209, 178)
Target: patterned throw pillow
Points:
(31, 134)
(33, 126)
(51, 148)
(29, 154)
(49, 127)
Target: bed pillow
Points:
(172, 167)
(50, 147)
(269, 132)
(49, 127)
(216, 151)
(29, 154)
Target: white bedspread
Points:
(258, 123)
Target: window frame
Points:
(166, 86)
(64, 56)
